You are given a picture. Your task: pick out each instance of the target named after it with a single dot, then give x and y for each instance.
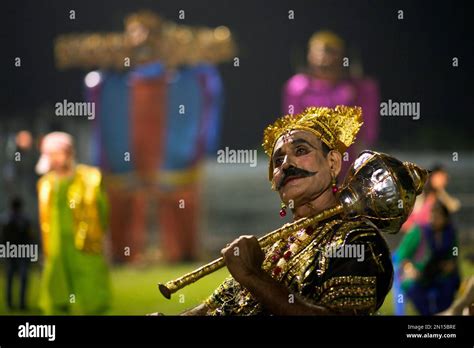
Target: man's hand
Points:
(409, 271)
(244, 258)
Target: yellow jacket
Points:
(83, 195)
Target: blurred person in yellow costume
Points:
(72, 215)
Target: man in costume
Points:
(304, 274)
(326, 83)
(73, 215)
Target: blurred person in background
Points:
(19, 177)
(330, 80)
(427, 256)
(73, 215)
(435, 189)
(16, 230)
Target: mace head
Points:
(382, 189)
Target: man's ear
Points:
(334, 159)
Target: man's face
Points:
(301, 172)
(323, 55)
(59, 159)
(439, 180)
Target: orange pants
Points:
(178, 221)
(178, 213)
(127, 223)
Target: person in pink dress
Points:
(327, 82)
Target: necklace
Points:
(284, 251)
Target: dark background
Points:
(411, 58)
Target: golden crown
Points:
(337, 127)
(329, 38)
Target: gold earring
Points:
(334, 185)
(283, 210)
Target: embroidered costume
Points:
(342, 264)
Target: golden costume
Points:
(73, 215)
(339, 284)
(336, 259)
(303, 261)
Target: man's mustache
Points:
(293, 172)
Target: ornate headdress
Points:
(329, 38)
(337, 127)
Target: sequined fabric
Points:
(341, 284)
